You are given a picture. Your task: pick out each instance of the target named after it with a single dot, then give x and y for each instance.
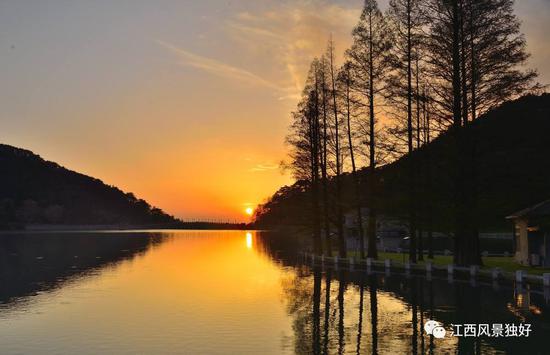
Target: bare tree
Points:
(369, 63)
(406, 20)
(345, 80)
(323, 139)
(342, 250)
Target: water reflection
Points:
(234, 292)
(397, 308)
(40, 262)
(249, 240)
(180, 292)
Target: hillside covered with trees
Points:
(513, 165)
(419, 71)
(36, 191)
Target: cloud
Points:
(263, 167)
(290, 34)
(219, 68)
(278, 43)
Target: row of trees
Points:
(425, 67)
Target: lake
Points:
(235, 292)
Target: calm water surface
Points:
(233, 293)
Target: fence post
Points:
(429, 267)
(520, 274)
(473, 270)
(496, 273)
(546, 279)
(387, 263)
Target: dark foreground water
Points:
(233, 293)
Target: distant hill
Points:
(513, 172)
(36, 191)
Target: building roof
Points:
(539, 210)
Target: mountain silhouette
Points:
(36, 191)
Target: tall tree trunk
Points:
(473, 64)
(419, 168)
(317, 243)
(371, 250)
(457, 112)
(475, 256)
(428, 183)
(354, 170)
(464, 74)
(324, 175)
(314, 141)
(342, 250)
(459, 165)
(473, 98)
(410, 140)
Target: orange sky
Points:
(186, 104)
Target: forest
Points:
(36, 191)
(416, 122)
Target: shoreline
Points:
(117, 228)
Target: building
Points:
(390, 231)
(532, 235)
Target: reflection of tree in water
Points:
(341, 312)
(297, 289)
(319, 310)
(326, 326)
(337, 312)
(31, 263)
(374, 314)
(391, 319)
(345, 318)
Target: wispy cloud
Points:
(279, 42)
(263, 167)
(220, 68)
(291, 33)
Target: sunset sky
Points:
(185, 103)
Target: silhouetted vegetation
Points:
(513, 172)
(429, 67)
(36, 191)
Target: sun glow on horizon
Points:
(249, 211)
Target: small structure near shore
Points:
(532, 235)
(390, 230)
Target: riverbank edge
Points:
(429, 269)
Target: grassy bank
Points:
(507, 264)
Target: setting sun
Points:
(249, 211)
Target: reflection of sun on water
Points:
(249, 240)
